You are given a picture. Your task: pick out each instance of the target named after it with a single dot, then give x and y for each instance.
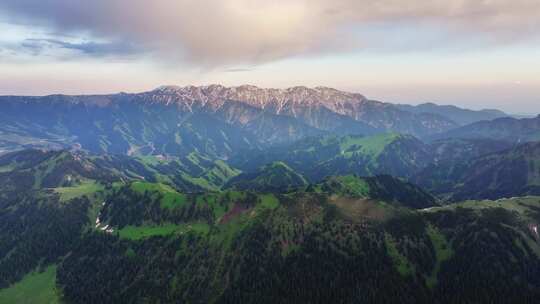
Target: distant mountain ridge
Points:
(456, 114)
(506, 128)
(313, 106)
(217, 121)
(213, 120)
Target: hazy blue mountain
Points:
(456, 114)
(507, 129)
(212, 120)
(459, 149)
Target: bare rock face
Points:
(313, 106)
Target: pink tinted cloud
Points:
(221, 32)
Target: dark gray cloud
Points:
(97, 49)
(215, 32)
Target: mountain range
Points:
(507, 129)
(213, 120)
(249, 195)
(458, 115)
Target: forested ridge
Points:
(113, 236)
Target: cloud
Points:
(231, 32)
(238, 70)
(97, 49)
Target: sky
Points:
(471, 53)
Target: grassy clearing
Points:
(403, 265)
(359, 209)
(269, 201)
(34, 288)
(235, 195)
(348, 185)
(443, 252)
(143, 232)
(170, 197)
(86, 188)
(150, 160)
(355, 185)
(220, 202)
(371, 145)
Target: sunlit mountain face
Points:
(306, 151)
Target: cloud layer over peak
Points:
(229, 32)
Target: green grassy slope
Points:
(85, 188)
(34, 288)
(142, 232)
(371, 146)
(383, 188)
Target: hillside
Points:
(510, 173)
(72, 170)
(383, 188)
(460, 149)
(317, 158)
(374, 237)
(36, 170)
(274, 177)
(415, 251)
